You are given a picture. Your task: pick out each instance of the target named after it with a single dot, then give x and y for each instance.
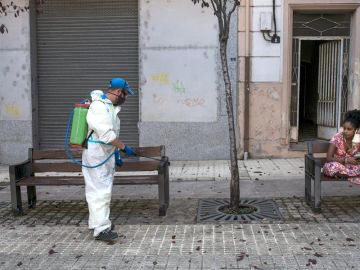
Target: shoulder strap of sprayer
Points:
(85, 143)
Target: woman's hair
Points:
(353, 117)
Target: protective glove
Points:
(129, 151)
(118, 160)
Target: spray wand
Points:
(164, 161)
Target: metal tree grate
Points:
(266, 209)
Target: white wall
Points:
(182, 96)
(15, 87)
(15, 92)
(265, 56)
(179, 45)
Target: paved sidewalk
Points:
(247, 246)
(55, 235)
(4, 173)
(218, 170)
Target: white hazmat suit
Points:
(103, 120)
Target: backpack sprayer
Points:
(79, 138)
(79, 131)
(79, 127)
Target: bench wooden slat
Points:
(79, 180)
(321, 160)
(317, 147)
(139, 166)
(71, 167)
(328, 178)
(54, 154)
(56, 160)
(154, 151)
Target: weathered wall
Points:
(178, 62)
(265, 122)
(271, 72)
(265, 84)
(182, 101)
(15, 90)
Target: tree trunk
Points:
(234, 185)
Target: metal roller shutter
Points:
(81, 45)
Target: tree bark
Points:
(234, 169)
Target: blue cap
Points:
(122, 84)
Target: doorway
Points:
(308, 89)
(319, 87)
(319, 74)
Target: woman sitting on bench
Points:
(341, 160)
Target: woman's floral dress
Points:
(332, 168)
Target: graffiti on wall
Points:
(12, 110)
(172, 91)
(192, 102)
(161, 78)
(178, 87)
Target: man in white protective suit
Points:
(104, 127)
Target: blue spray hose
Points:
(68, 151)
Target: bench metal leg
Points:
(162, 196)
(307, 188)
(167, 196)
(15, 191)
(307, 182)
(31, 191)
(16, 203)
(317, 189)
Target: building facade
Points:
(287, 88)
(296, 90)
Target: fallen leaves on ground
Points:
(51, 252)
(311, 262)
(241, 256)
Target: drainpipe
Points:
(247, 80)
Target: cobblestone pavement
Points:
(181, 211)
(234, 246)
(54, 235)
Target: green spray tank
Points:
(79, 131)
(78, 137)
(79, 126)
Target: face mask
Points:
(120, 99)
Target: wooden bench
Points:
(47, 161)
(313, 173)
